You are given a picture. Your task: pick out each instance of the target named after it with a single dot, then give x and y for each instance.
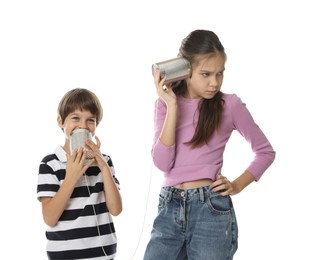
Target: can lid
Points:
(79, 130)
(154, 67)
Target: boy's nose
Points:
(82, 125)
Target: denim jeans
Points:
(194, 224)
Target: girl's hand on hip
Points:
(222, 186)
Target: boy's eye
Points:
(205, 74)
(92, 120)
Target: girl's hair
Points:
(201, 44)
(83, 99)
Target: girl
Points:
(193, 122)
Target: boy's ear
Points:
(59, 121)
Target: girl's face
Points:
(207, 77)
(78, 119)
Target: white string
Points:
(145, 212)
(144, 219)
(96, 219)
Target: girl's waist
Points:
(194, 184)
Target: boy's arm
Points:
(112, 193)
(53, 207)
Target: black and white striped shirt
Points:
(85, 230)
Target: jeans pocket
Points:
(218, 204)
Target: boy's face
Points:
(78, 119)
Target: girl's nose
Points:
(213, 83)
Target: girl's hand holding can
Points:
(164, 91)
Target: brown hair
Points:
(200, 44)
(83, 99)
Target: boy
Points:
(79, 198)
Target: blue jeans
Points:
(194, 224)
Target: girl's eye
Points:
(205, 74)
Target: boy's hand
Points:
(75, 167)
(98, 156)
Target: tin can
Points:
(77, 139)
(174, 69)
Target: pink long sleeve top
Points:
(180, 163)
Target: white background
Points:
(50, 47)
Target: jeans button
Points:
(182, 193)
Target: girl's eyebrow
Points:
(222, 70)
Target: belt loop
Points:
(166, 193)
(201, 195)
(169, 194)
